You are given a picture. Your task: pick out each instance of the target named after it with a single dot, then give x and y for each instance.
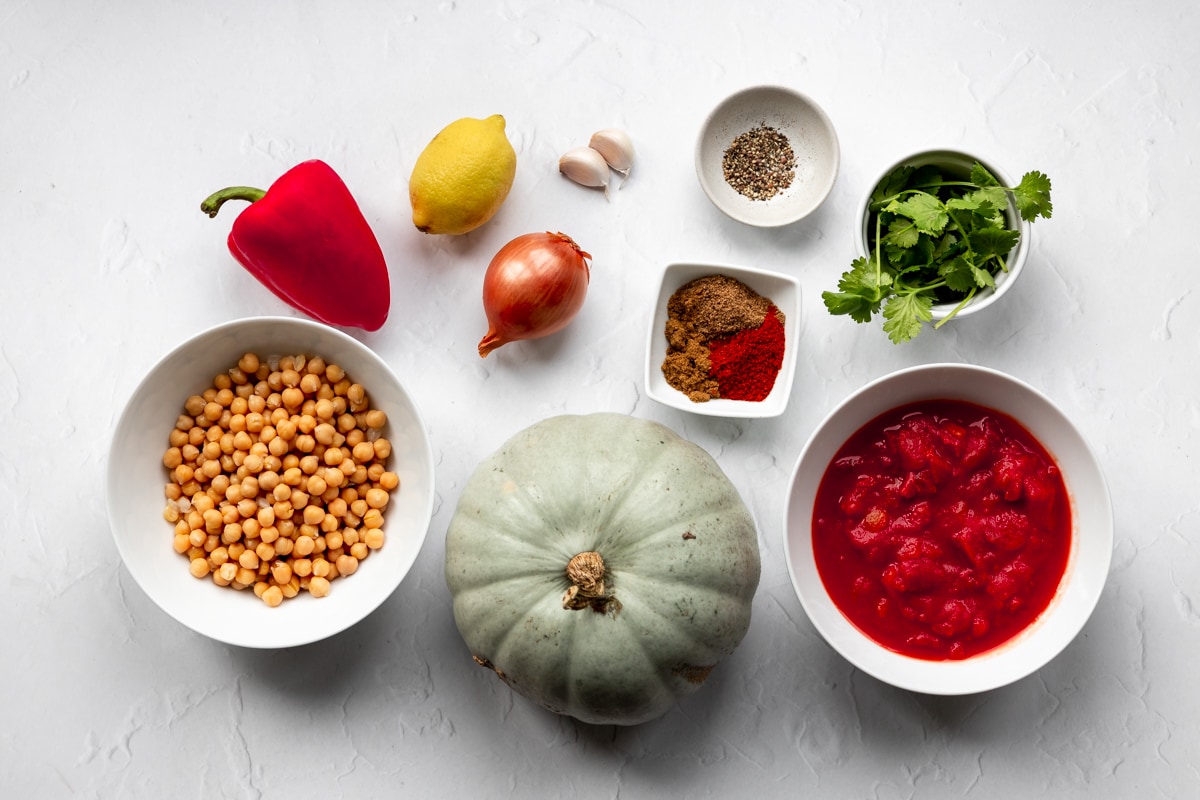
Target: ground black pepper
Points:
(759, 164)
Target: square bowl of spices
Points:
(722, 341)
(767, 156)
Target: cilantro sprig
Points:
(933, 238)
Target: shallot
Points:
(533, 287)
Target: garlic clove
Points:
(585, 166)
(616, 147)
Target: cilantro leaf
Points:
(958, 275)
(982, 277)
(1033, 196)
(893, 184)
(988, 242)
(925, 210)
(985, 201)
(854, 306)
(902, 233)
(903, 315)
(980, 176)
(862, 289)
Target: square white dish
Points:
(782, 290)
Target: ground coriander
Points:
(760, 163)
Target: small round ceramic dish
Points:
(1087, 562)
(136, 477)
(956, 163)
(782, 290)
(809, 133)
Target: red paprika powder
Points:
(747, 363)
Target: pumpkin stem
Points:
(587, 590)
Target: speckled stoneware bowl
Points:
(809, 132)
(1091, 519)
(958, 163)
(782, 290)
(136, 477)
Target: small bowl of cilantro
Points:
(943, 234)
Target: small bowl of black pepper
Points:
(767, 156)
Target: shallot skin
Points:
(534, 286)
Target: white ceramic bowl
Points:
(959, 163)
(1091, 514)
(136, 478)
(782, 290)
(810, 134)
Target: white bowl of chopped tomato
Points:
(744, 368)
(948, 529)
(270, 482)
(767, 156)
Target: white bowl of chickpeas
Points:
(270, 482)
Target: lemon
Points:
(462, 177)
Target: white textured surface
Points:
(116, 119)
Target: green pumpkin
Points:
(601, 565)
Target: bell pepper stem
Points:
(212, 204)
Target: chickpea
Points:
(231, 533)
(316, 485)
(268, 479)
(281, 572)
(377, 498)
(310, 383)
(273, 596)
(301, 436)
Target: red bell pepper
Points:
(306, 240)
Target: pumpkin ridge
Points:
(726, 592)
(696, 635)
